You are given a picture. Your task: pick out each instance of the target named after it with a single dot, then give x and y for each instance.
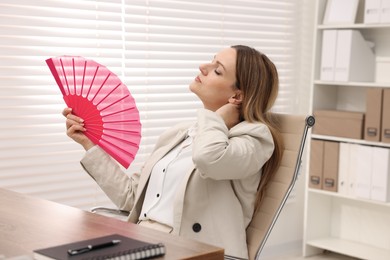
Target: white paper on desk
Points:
(380, 180)
(328, 55)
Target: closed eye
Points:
(217, 72)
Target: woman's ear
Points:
(236, 99)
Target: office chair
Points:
(294, 131)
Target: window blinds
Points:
(154, 46)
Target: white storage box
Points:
(382, 73)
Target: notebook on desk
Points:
(106, 247)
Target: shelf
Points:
(355, 84)
(354, 26)
(341, 222)
(350, 248)
(338, 195)
(350, 140)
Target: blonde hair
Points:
(258, 80)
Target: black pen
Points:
(89, 248)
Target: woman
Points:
(202, 179)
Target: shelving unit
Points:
(351, 226)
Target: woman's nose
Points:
(203, 69)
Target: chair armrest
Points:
(110, 211)
(229, 257)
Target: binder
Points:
(352, 51)
(386, 116)
(385, 11)
(377, 11)
(372, 11)
(316, 164)
(340, 11)
(363, 172)
(328, 54)
(380, 174)
(353, 157)
(344, 170)
(331, 166)
(372, 123)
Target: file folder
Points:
(344, 169)
(340, 11)
(353, 157)
(363, 172)
(386, 116)
(380, 175)
(372, 122)
(385, 11)
(331, 166)
(372, 11)
(351, 52)
(377, 11)
(316, 164)
(328, 54)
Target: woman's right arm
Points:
(117, 185)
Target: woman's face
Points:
(216, 82)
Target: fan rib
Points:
(93, 79)
(117, 101)
(120, 111)
(119, 148)
(97, 92)
(66, 80)
(121, 121)
(121, 130)
(122, 140)
(74, 77)
(109, 93)
(82, 83)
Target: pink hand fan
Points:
(100, 98)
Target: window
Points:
(154, 46)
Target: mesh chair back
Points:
(294, 129)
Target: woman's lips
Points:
(197, 79)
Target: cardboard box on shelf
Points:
(338, 123)
(382, 74)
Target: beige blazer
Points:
(216, 201)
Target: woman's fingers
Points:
(74, 119)
(70, 122)
(67, 112)
(75, 129)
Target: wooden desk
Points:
(28, 223)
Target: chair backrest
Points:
(294, 130)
